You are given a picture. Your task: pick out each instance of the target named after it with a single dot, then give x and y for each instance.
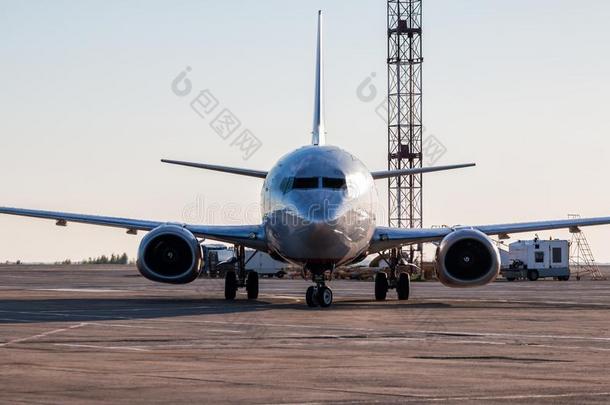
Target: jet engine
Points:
(170, 254)
(467, 258)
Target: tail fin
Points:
(319, 132)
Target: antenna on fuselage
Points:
(319, 131)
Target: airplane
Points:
(318, 212)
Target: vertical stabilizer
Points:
(319, 131)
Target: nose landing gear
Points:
(320, 294)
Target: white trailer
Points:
(534, 259)
(264, 264)
(218, 258)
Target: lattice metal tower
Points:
(405, 141)
(581, 257)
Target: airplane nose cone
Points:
(319, 207)
(322, 227)
(323, 237)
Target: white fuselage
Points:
(318, 207)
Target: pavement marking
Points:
(224, 331)
(423, 398)
(516, 397)
(512, 335)
(61, 314)
(592, 348)
(290, 297)
(85, 290)
(510, 301)
(321, 327)
(141, 309)
(427, 332)
(77, 345)
(41, 335)
(326, 403)
(114, 325)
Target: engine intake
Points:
(467, 258)
(170, 254)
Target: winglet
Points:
(319, 131)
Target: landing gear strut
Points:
(240, 278)
(400, 282)
(320, 294)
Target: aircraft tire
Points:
(310, 297)
(325, 297)
(252, 285)
(403, 287)
(230, 285)
(381, 286)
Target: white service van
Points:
(534, 259)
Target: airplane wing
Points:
(252, 236)
(387, 238)
(420, 170)
(260, 174)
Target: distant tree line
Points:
(103, 259)
(121, 259)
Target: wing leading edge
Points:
(252, 236)
(387, 238)
(419, 170)
(259, 174)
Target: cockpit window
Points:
(304, 183)
(334, 183)
(309, 183)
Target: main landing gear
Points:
(240, 278)
(400, 282)
(320, 294)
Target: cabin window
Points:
(302, 183)
(334, 183)
(539, 257)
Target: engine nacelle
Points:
(467, 258)
(170, 254)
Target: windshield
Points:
(310, 183)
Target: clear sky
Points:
(520, 87)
